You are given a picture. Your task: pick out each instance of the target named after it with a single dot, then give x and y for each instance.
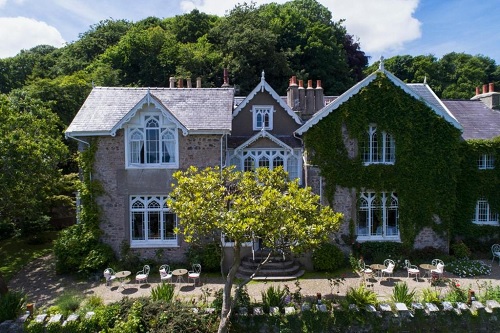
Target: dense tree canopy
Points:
(31, 150)
(247, 206)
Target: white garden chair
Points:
(165, 273)
(495, 251)
(389, 267)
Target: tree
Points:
(31, 150)
(246, 206)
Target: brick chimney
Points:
(226, 78)
(292, 94)
(489, 97)
(319, 96)
(302, 97)
(180, 83)
(310, 99)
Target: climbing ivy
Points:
(475, 184)
(427, 165)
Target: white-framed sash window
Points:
(379, 147)
(483, 213)
(378, 216)
(152, 223)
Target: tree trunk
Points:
(3, 285)
(227, 301)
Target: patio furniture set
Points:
(166, 275)
(435, 269)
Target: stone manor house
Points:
(144, 135)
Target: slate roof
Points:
(196, 109)
(478, 121)
(427, 98)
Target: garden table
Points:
(121, 275)
(377, 268)
(179, 274)
(428, 268)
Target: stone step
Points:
(245, 271)
(269, 264)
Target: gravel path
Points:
(43, 286)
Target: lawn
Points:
(17, 252)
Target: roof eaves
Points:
(263, 134)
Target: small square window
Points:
(486, 161)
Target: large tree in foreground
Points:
(246, 206)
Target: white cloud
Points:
(24, 33)
(382, 25)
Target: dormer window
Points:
(152, 142)
(262, 117)
(486, 161)
(378, 147)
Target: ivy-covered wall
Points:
(473, 185)
(428, 155)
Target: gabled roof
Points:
(478, 120)
(263, 134)
(196, 110)
(261, 87)
(433, 101)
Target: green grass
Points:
(17, 252)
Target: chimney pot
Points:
(293, 81)
(492, 87)
(485, 88)
(309, 84)
(318, 84)
(226, 78)
(172, 82)
(301, 83)
(180, 83)
(478, 91)
(188, 83)
(198, 82)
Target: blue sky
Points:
(384, 27)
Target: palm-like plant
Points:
(361, 296)
(402, 294)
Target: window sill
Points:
(153, 166)
(378, 163)
(492, 223)
(146, 245)
(361, 239)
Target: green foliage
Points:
(377, 252)
(35, 327)
(32, 149)
(402, 294)
(273, 296)
(11, 305)
(328, 258)
(163, 292)
(488, 292)
(68, 303)
(208, 255)
(460, 250)
(54, 327)
(467, 268)
(133, 322)
(430, 295)
(428, 162)
(455, 293)
(361, 296)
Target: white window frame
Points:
(262, 113)
(381, 206)
(227, 242)
(250, 159)
(483, 214)
(145, 208)
(149, 141)
(486, 162)
(379, 147)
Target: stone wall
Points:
(120, 183)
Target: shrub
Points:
(490, 293)
(379, 251)
(68, 303)
(361, 296)
(273, 296)
(430, 295)
(35, 327)
(163, 292)
(455, 293)
(78, 248)
(208, 255)
(460, 250)
(11, 304)
(402, 294)
(328, 258)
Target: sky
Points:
(383, 27)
